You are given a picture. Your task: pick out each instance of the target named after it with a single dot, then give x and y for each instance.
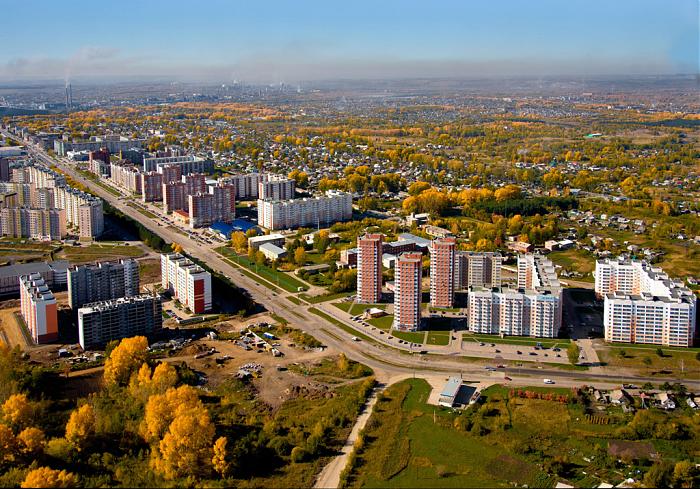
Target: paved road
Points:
(386, 361)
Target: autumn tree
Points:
(31, 441)
(125, 359)
(220, 459)
(186, 448)
(18, 410)
(300, 256)
(8, 443)
(49, 478)
(81, 425)
(239, 242)
(509, 192)
(161, 409)
(177, 248)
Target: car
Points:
(558, 355)
(501, 366)
(519, 352)
(490, 369)
(507, 378)
(482, 344)
(497, 350)
(493, 344)
(556, 349)
(355, 338)
(548, 381)
(533, 353)
(546, 355)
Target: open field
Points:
(574, 260)
(438, 337)
(98, 251)
(508, 438)
(355, 309)
(383, 323)
(644, 359)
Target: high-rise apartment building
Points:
(39, 309)
(41, 224)
(127, 176)
(477, 269)
(407, 291)
(201, 209)
(224, 204)
(102, 281)
(515, 312)
(91, 219)
(171, 172)
(288, 214)
(174, 196)
(188, 282)
(643, 305)
(187, 164)
(246, 185)
(276, 187)
(151, 186)
(101, 322)
(442, 272)
(195, 183)
(369, 268)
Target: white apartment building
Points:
(643, 305)
(246, 185)
(188, 164)
(39, 308)
(276, 187)
(189, 283)
(515, 312)
(41, 224)
(287, 214)
(477, 269)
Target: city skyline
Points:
(279, 42)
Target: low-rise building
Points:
(276, 239)
(272, 252)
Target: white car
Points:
(548, 381)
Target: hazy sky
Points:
(292, 40)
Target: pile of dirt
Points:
(311, 391)
(193, 349)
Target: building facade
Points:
(643, 305)
(102, 281)
(288, 214)
(442, 272)
(39, 309)
(408, 291)
(246, 185)
(101, 322)
(151, 186)
(276, 187)
(369, 268)
(188, 283)
(41, 224)
(477, 269)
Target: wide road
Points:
(388, 363)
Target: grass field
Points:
(99, 251)
(341, 325)
(505, 440)
(413, 337)
(574, 260)
(383, 323)
(438, 337)
(355, 309)
(644, 358)
(145, 212)
(324, 297)
(275, 277)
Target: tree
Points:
(164, 377)
(31, 440)
(161, 409)
(186, 449)
(300, 256)
(18, 410)
(251, 233)
(684, 473)
(49, 478)
(509, 192)
(176, 248)
(8, 443)
(659, 475)
(343, 363)
(418, 187)
(125, 359)
(81, 425)
(239, 242)
(220, 458)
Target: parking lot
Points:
(504, 351)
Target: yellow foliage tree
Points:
(125, 358)
(219, 460)
(509, 192)
(18, 410)
(161, 409)
(32, 440)
(81, 425)
(186, 449)
(8, 443)
(177, 248)
(239, 242)
(164, 377)
(46, 477)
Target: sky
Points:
(290, 41)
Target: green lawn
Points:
(276, 277)
(99, 251)
(438, 337)
(413, 337)
(383, 323)
(355, 309)
(341, 325)
(645, 360)
(324, 297)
